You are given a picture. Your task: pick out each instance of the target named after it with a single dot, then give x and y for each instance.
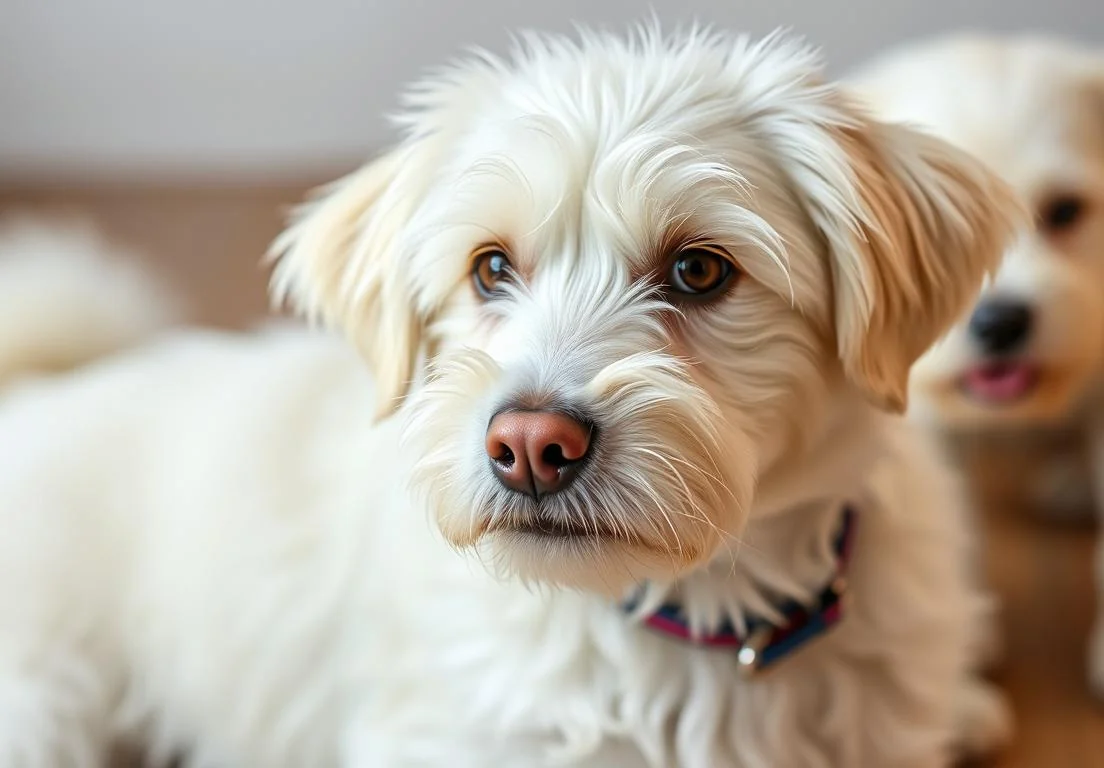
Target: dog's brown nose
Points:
(536, 452)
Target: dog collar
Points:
(765, 642)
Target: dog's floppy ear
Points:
(913, 226)
(339, 262)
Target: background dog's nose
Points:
(536, 452)
(1000, 325)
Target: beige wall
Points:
(277, 86)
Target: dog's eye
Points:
(1062, 213)
(699, 273)
(490, 269)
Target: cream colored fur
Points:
(214, 545)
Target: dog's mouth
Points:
(545, 525)
(1001, 382)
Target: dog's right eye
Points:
(490, 270)
(1061, 213)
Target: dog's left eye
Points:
(699, 273)
(490, 269)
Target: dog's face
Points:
(636, 274)
(1033, 110)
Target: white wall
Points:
(201, 86)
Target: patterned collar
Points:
(765, 642)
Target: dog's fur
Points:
(211, 544)
(1033, 109)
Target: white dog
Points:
(1031, 351)
(664, 289)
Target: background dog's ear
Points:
(913, 226)
(337, 262)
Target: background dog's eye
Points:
(1062, 213)
(699, 273)
(490, 270)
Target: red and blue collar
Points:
(765, 642)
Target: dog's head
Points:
(636, 274)
(1033, 110)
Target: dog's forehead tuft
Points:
(615, 84)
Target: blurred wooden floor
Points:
(209, 242)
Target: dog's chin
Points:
(593, 552)
(1000, 394)
(595, 561)
(598, 542)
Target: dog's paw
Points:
(984, 723)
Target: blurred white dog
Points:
(664, 289)
(1031, 351)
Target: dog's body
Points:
(293, 609)
(1029, 360)
(211, 544)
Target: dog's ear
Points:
(913, 226)
(339, 262)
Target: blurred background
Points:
(184, 128)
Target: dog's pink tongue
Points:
(1000, 382)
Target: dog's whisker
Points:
(658, 506)
(670, 467)
(713, 478)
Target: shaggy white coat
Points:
(215, 546)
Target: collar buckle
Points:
(749, 658)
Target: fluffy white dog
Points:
(634, 311)
(1031, 352)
